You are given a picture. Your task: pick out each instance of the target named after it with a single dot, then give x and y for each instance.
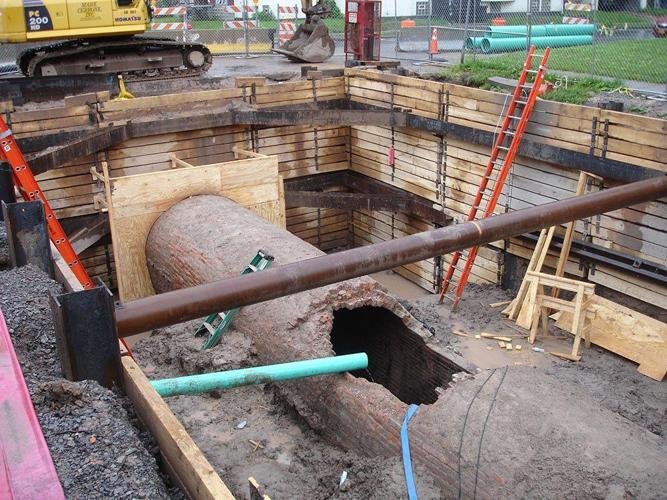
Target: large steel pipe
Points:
(182, 305)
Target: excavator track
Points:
(137, 58)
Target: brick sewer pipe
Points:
(537, 432)
(182, 305)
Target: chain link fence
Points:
(623, 39)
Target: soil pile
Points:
(96, 449)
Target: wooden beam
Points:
(368, 194)
(419, 206)
(61, 154)
(183, 458)
(317, 181)
(85, 236)
(345, 201)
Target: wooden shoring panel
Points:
(630, 285)
(630, 138)
(99, 262)
(324, 228)
(136, 201)
(636, 231)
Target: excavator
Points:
(99, 37)
(311, 43)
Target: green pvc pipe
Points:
(474, 42)
(195, 384)
(490, 45)
(539, 30)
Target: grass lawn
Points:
(616, 20)
(644, 60)
(477, 73)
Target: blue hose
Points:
(405, 450)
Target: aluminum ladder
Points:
(500, 163)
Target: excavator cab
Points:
(311, 43)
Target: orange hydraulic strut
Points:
(25, 181)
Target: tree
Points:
(335, 11)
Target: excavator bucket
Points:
(311, 43)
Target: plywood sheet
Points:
(627, 333)
(136, 201)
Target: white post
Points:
(245, 28)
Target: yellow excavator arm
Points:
(40, 20)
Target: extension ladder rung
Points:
(522, 102)
(536, 55)
(515, 117)
(504, 147)
(535, 71)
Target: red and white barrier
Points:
(585, 7)
(170, 26)
(238, 9)
(239, 24)
(169, 11)
(286, 27)
(575, 20)
(288, 10)
(286, 31)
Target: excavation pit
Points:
(357, 172)
(398, 358)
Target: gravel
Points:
(4, 253)
(96, 448)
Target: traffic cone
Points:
(434, 41)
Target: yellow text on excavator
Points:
(36, 20)
(98, 37)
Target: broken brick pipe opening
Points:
(191, 303)
(205, 382)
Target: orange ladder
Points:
(30, 190)
(503, 154)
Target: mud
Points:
(611, 381)
(274, 445)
